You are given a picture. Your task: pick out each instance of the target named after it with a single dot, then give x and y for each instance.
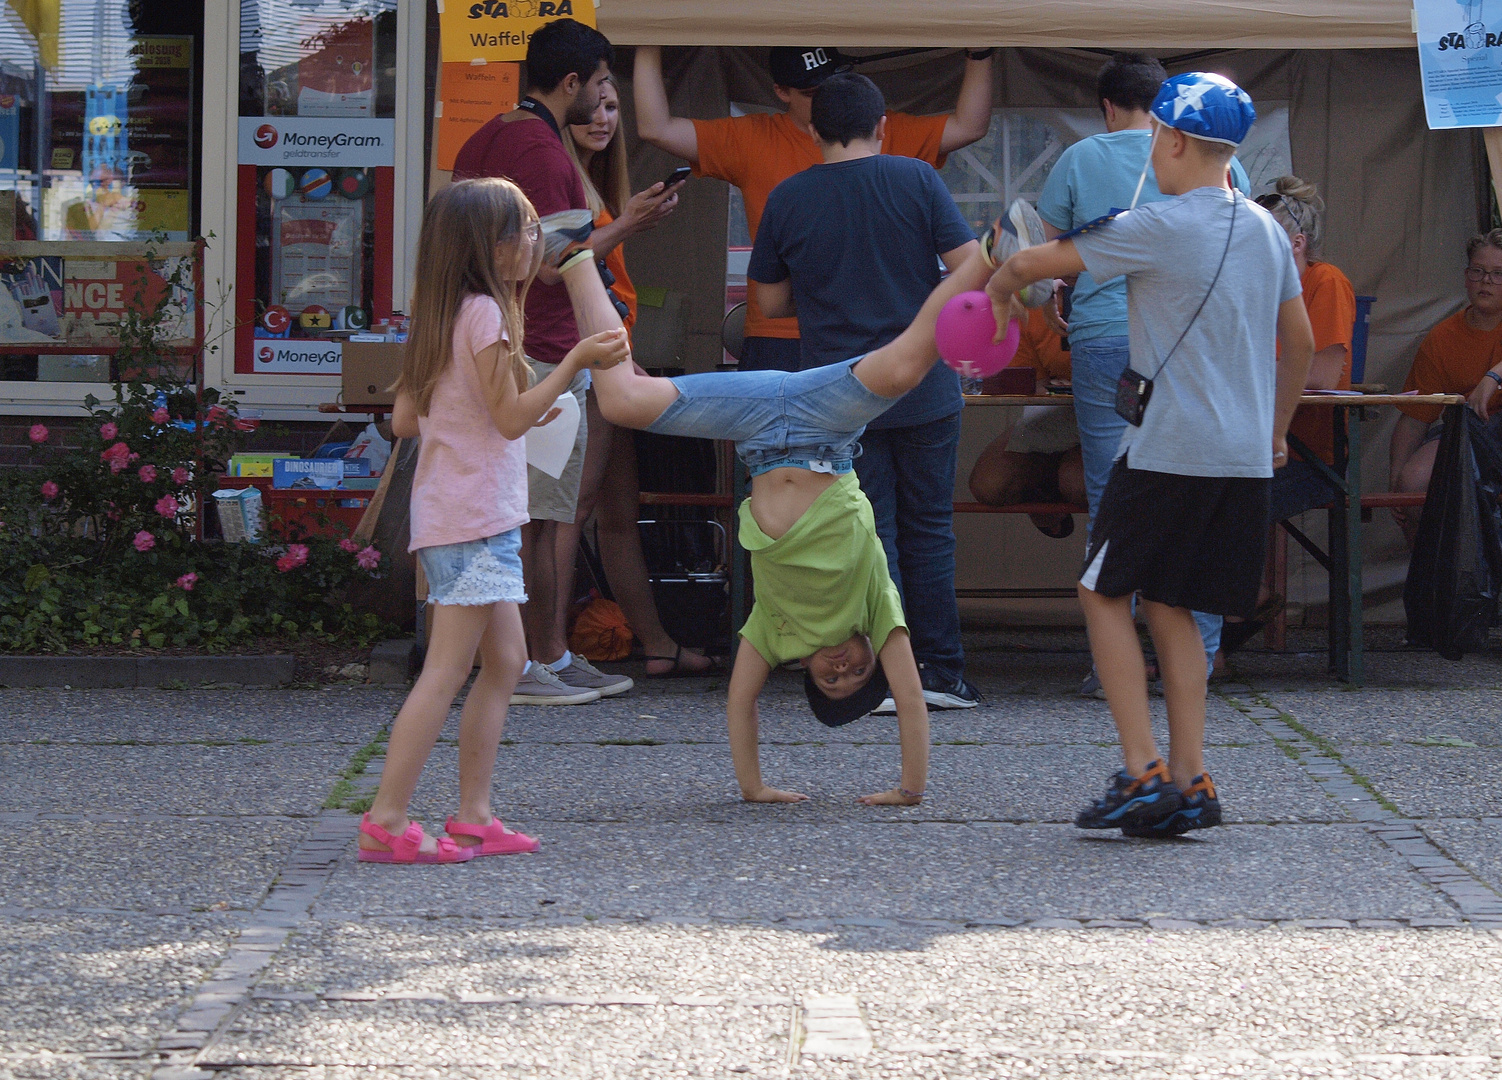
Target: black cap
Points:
(832, 713)
(804, 69)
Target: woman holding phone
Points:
(609, 484)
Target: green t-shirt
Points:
(823, 582)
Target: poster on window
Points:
(315, 254)
(1460, 61)
(98, 292)
(31, 293)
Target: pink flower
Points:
(187, 581)
(167, 506)
(144, 541)
(348, 545)
(161, 416)
(179, 476)
(49, 490)
(368, 559)
(108, 430)
(147, 474)
(39, 433)
(117, 457)
(297, 554)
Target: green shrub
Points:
(98, 541)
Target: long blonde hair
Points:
(462, 228)
(607, 181)
(1298, 208)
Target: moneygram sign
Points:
(293, 141)
(283, 357)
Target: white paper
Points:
(549, 446)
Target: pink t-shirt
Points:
(471, 481)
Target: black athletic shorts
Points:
(1195, 542)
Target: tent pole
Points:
(1493, 139)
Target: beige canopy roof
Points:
(1158, 24)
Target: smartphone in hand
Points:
(677, 176)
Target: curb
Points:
(98, 672)
(393, 663)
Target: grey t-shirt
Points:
(1211, 411)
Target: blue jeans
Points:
(908, 474)
(1095, 367)
(816, 415)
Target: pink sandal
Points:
(495, 838)
(407, 848)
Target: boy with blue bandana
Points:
(1211, 283)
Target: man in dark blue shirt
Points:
(853, 247)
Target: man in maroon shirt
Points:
(566, 62)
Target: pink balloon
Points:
(964, 332)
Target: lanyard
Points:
(537, 108)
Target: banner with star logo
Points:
(492, 31)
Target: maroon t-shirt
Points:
(527, 153)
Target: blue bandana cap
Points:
(1206, 106)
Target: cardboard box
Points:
(254, 464)
(369, 368)
(326, 473)
(240, 514)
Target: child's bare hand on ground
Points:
(773, 795)
(601, 351)
(895, 797)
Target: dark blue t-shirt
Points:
(860, 240)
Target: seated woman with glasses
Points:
(1459, 356)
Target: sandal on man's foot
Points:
(406, 849)
(679, 671)
(495, 838)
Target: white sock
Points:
(563, 661)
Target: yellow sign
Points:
(487, 31)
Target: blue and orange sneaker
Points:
(1201, 810)
(1134, 801)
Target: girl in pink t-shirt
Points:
(464, 389)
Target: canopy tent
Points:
(1117, 24)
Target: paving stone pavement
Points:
(179, 896)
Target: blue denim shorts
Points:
(475, 572)
(808, 419)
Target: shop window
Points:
(99, 146)
(316, 143)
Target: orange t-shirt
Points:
(1451, 360)
(616, 261)
(759, 151)
(1040, 348)
(1331, 303)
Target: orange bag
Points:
(600, 632)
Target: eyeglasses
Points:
(1477, 273)
(534, 231)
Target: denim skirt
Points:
(475, 572)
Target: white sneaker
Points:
(1020, 227)
(888, 707)
(540, 686)
(582, 675)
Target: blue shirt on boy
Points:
(861, 240)
(1090, 179)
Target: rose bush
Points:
(98, 540)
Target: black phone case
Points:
(1133, 390)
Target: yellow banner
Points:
(487, 31)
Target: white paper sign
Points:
(1460, 59)
(303, 140)
(549, 446)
